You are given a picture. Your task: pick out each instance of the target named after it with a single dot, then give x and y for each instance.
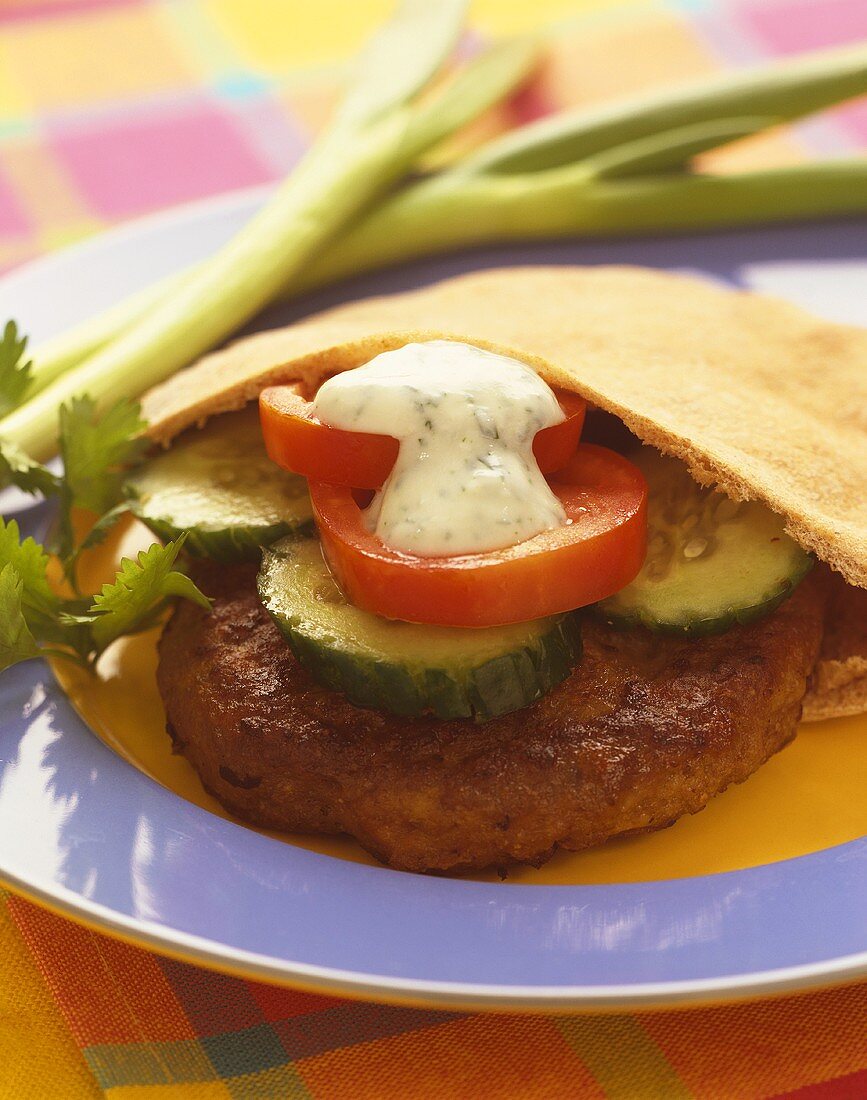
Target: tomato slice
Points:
(554, 446)
(595, 554)
(297, 441)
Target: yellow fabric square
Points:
(273, 36)
(12, 102)
(38, 1048)
(71, 233)
(202, 42)
(100, 55)
(195, 1090)
(515, 16)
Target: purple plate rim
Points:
(738, 934)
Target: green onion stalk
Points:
(320, 197)
(620, 168)
(573, 203)
(480, 84)
(378, 134)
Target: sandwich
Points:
(531, 558)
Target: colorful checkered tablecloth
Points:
(110, 109)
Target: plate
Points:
(93, 831)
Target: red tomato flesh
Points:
(595, 554)
(554, 446)
(297, 441)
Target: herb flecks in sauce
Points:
(466, 480)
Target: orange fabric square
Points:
(279, 1004)
(765, 1048)
(109, 991)
(622, 55)
(497, 1057)
(105, 54)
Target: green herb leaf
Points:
(18, 469)
(41, 607)
(97, 450)
(16, 641)
(14, 369)
(96, 535)
(138, 595)
(100, 530)
(30, 562)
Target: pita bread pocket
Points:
(757, 397)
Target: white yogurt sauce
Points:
(466, 479)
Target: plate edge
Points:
(196, 951)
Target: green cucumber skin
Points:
(704, 628)
(484, 696)
(218, 485)
(228, 546)
(500, 685)
(744, 567)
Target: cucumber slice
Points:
(218, 484)
(409, 668)
(711, 562)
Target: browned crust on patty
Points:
(645, 730)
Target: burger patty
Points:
(646, 729)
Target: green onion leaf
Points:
(401, 59)
(478, 85)
(783, 91)
(350, 166)
(673, 149)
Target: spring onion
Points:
(478, 85)
(375, 138)
(619, 168)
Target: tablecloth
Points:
(110, 109)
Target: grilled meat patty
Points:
(646, 729)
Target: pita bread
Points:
(840, 679)
(756, 396)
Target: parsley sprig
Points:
(97, 451)
(15, 370)
(35, 619)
